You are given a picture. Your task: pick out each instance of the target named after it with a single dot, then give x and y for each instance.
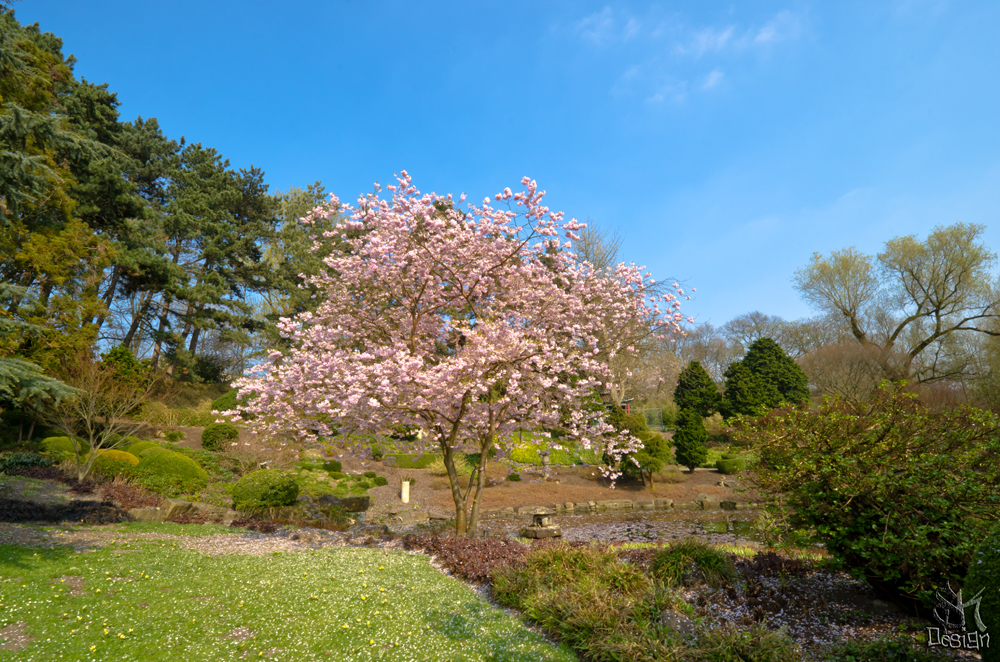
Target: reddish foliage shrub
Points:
(470, 559)
(127, 496)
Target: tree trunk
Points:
(108, 297)
(456, 491)
(137, 321)
(480, 486)
(158, 344)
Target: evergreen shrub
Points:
(217, 436)
(162, 462)
(689, 440)
(333, 466)
(731, 465)
(61, 448)
(267, 488)
(113, 462)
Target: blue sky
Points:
(726, 141)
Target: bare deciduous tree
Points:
(911, 297)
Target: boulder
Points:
(663, 504)
(175, 507)
(614, 504)
(150, 514)
(644, 505)
(727, 505)
(412, 516)
(439, 514)
(352, 504)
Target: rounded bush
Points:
(369, 474)
(380, 481)
(139, 446)
(731, 466)
(333, 466)
(336, 475)
(226, 401)
(730, 456)
(267, 488)
(515, 477)
(62, 447)
(217, 436)
(160, 461)
(113, 462)
(984, 575)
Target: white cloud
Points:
(709, 40)
(712, 79)
(785, 26)
(597, 27)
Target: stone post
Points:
(405, 492)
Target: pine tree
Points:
(689, 440)
(696, 390)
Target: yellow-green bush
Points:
(62, 447)
(267, 488)
(139, 446)
(168, 463)
(112, 462)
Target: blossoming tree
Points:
(464, 324)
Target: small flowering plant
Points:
(464, 324)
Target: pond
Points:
(716, 527)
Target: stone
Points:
(175, 507)
(568, 505)
(663, 504)
(439, 514)
(150, 514)
(711, 503)
(352, 504)
(541, 532)
(730, 483)
(528, 510)
(644, 505)
(744, 506)
(412, 516)
(614, 504)
(686, 505)
(727, 505)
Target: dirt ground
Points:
(574, 484)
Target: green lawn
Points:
(157, 601)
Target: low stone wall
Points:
(702, 502)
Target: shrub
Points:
(161, 462)
(689, 440)
(10, 462)
(113, 462)
(898, 494)
(267, 488)
(984, 575)
(173, 436)
(380, 481)
(226, 401)
(414, 461)
(526, 455)
(691, 558)
(514, 477)
(731, 456)
(377, 453)
(61, 448)
(333, 466)
(336, 475)
(369, 474)
(217, 436)
(731, 466)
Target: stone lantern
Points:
(542, 526)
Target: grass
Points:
(412, 460)
(157, 601)
(692, 556)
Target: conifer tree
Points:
(689, 440)
(696, 390)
